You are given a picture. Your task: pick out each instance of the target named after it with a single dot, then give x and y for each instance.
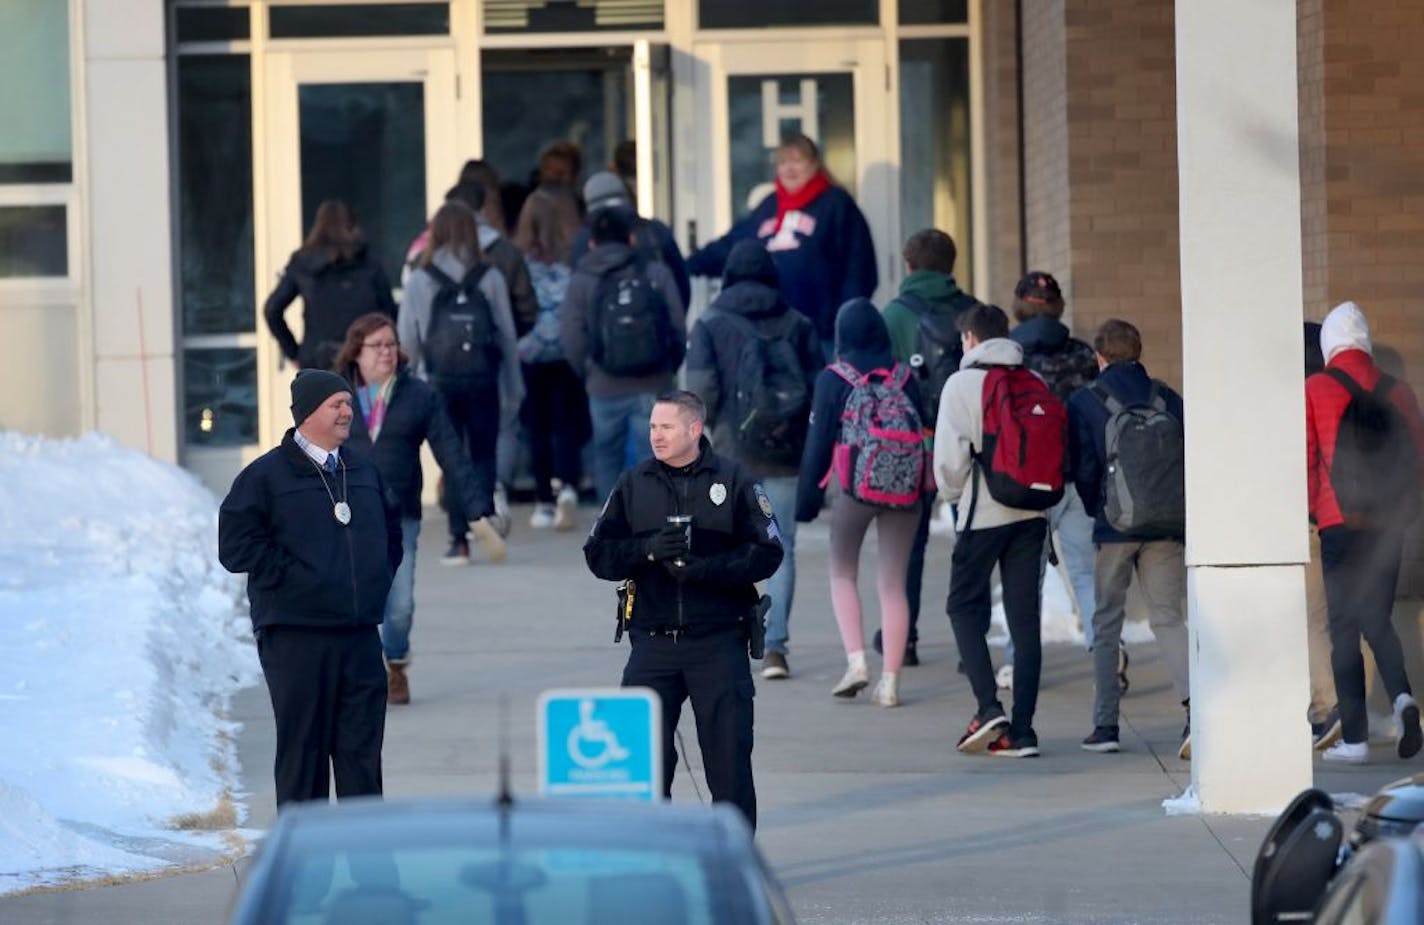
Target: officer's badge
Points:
(718, 493)
(763, 501)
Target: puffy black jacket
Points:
(715, 345)
(415, 414)
(1050, 349)
(334, 294)
(303, 568)
(734, 543)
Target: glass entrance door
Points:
(376, 130)
(832, 91)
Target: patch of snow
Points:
(126, 641)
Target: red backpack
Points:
(1025, 440)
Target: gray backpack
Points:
(1144, 478)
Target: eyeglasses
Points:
(380, 345)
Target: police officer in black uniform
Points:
(692, 601)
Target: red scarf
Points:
(790, 202)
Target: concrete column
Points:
(129, 245)
(1239, 177)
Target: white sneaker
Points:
(500, 519)
(1347, 752)
(887, 692)
(489, 539)
(543, 517)
(1408, 736)
(1005, 678)
(566, 508)
(855, 680)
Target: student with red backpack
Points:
(1364, 448)
(867, 434)
(999, 452)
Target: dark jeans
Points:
(475, 417)
(1016, 549)
(328, 690)
(556, 422)
(915, 572)
(1361, 571)
(714, 673)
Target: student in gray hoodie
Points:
(990, 534)
(477, 413)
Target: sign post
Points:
(601, 742)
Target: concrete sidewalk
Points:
(868, 815)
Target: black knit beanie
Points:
(311, 388)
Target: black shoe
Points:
(982, 730)
(457, 554)
(1326, 732)
(1103, 740)
(1020, 746)
(878, 643)
(912, 657)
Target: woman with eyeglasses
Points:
(393, 413)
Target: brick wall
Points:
(1001, 147)
(1046, 119)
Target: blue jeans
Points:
(619, 424)
(400, 602)
(781, 492)
(1071, 532)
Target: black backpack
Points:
(937, 348)
(631, 327)
(1375, 471)
(770, 402)
(461, 349)
(1144, 472)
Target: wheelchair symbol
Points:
(591, 743)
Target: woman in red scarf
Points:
(816, 235)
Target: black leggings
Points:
(556, 421)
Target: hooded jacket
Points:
(749, 292)
(1345, 342)
(938, 291)
(959, 435)
(576, 322)
(1129, 383)
(303, 567)
(735, 542)
(863, 341)
(414, 322)
(505, 257)
(823, 253)
(334, 293)
(1060, 359)
(415, 414)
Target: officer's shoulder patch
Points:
(763, 501)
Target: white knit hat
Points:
(1345, 328)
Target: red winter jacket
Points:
(1325, 401)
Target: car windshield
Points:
(469, 881)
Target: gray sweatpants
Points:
(1161, 570)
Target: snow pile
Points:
(125, 640)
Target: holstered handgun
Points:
(626, 593)
(756, 628)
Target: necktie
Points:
(331, 462)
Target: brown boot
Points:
(397, 687)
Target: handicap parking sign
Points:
(601, 742)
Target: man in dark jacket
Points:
(694, 589)
(619, 402)
(652, 239)
(1066, 364)
(1159, 562)
(319, 538)
(749, 314)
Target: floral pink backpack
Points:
(880, 457)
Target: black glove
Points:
(668, 543)
(690, 569)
